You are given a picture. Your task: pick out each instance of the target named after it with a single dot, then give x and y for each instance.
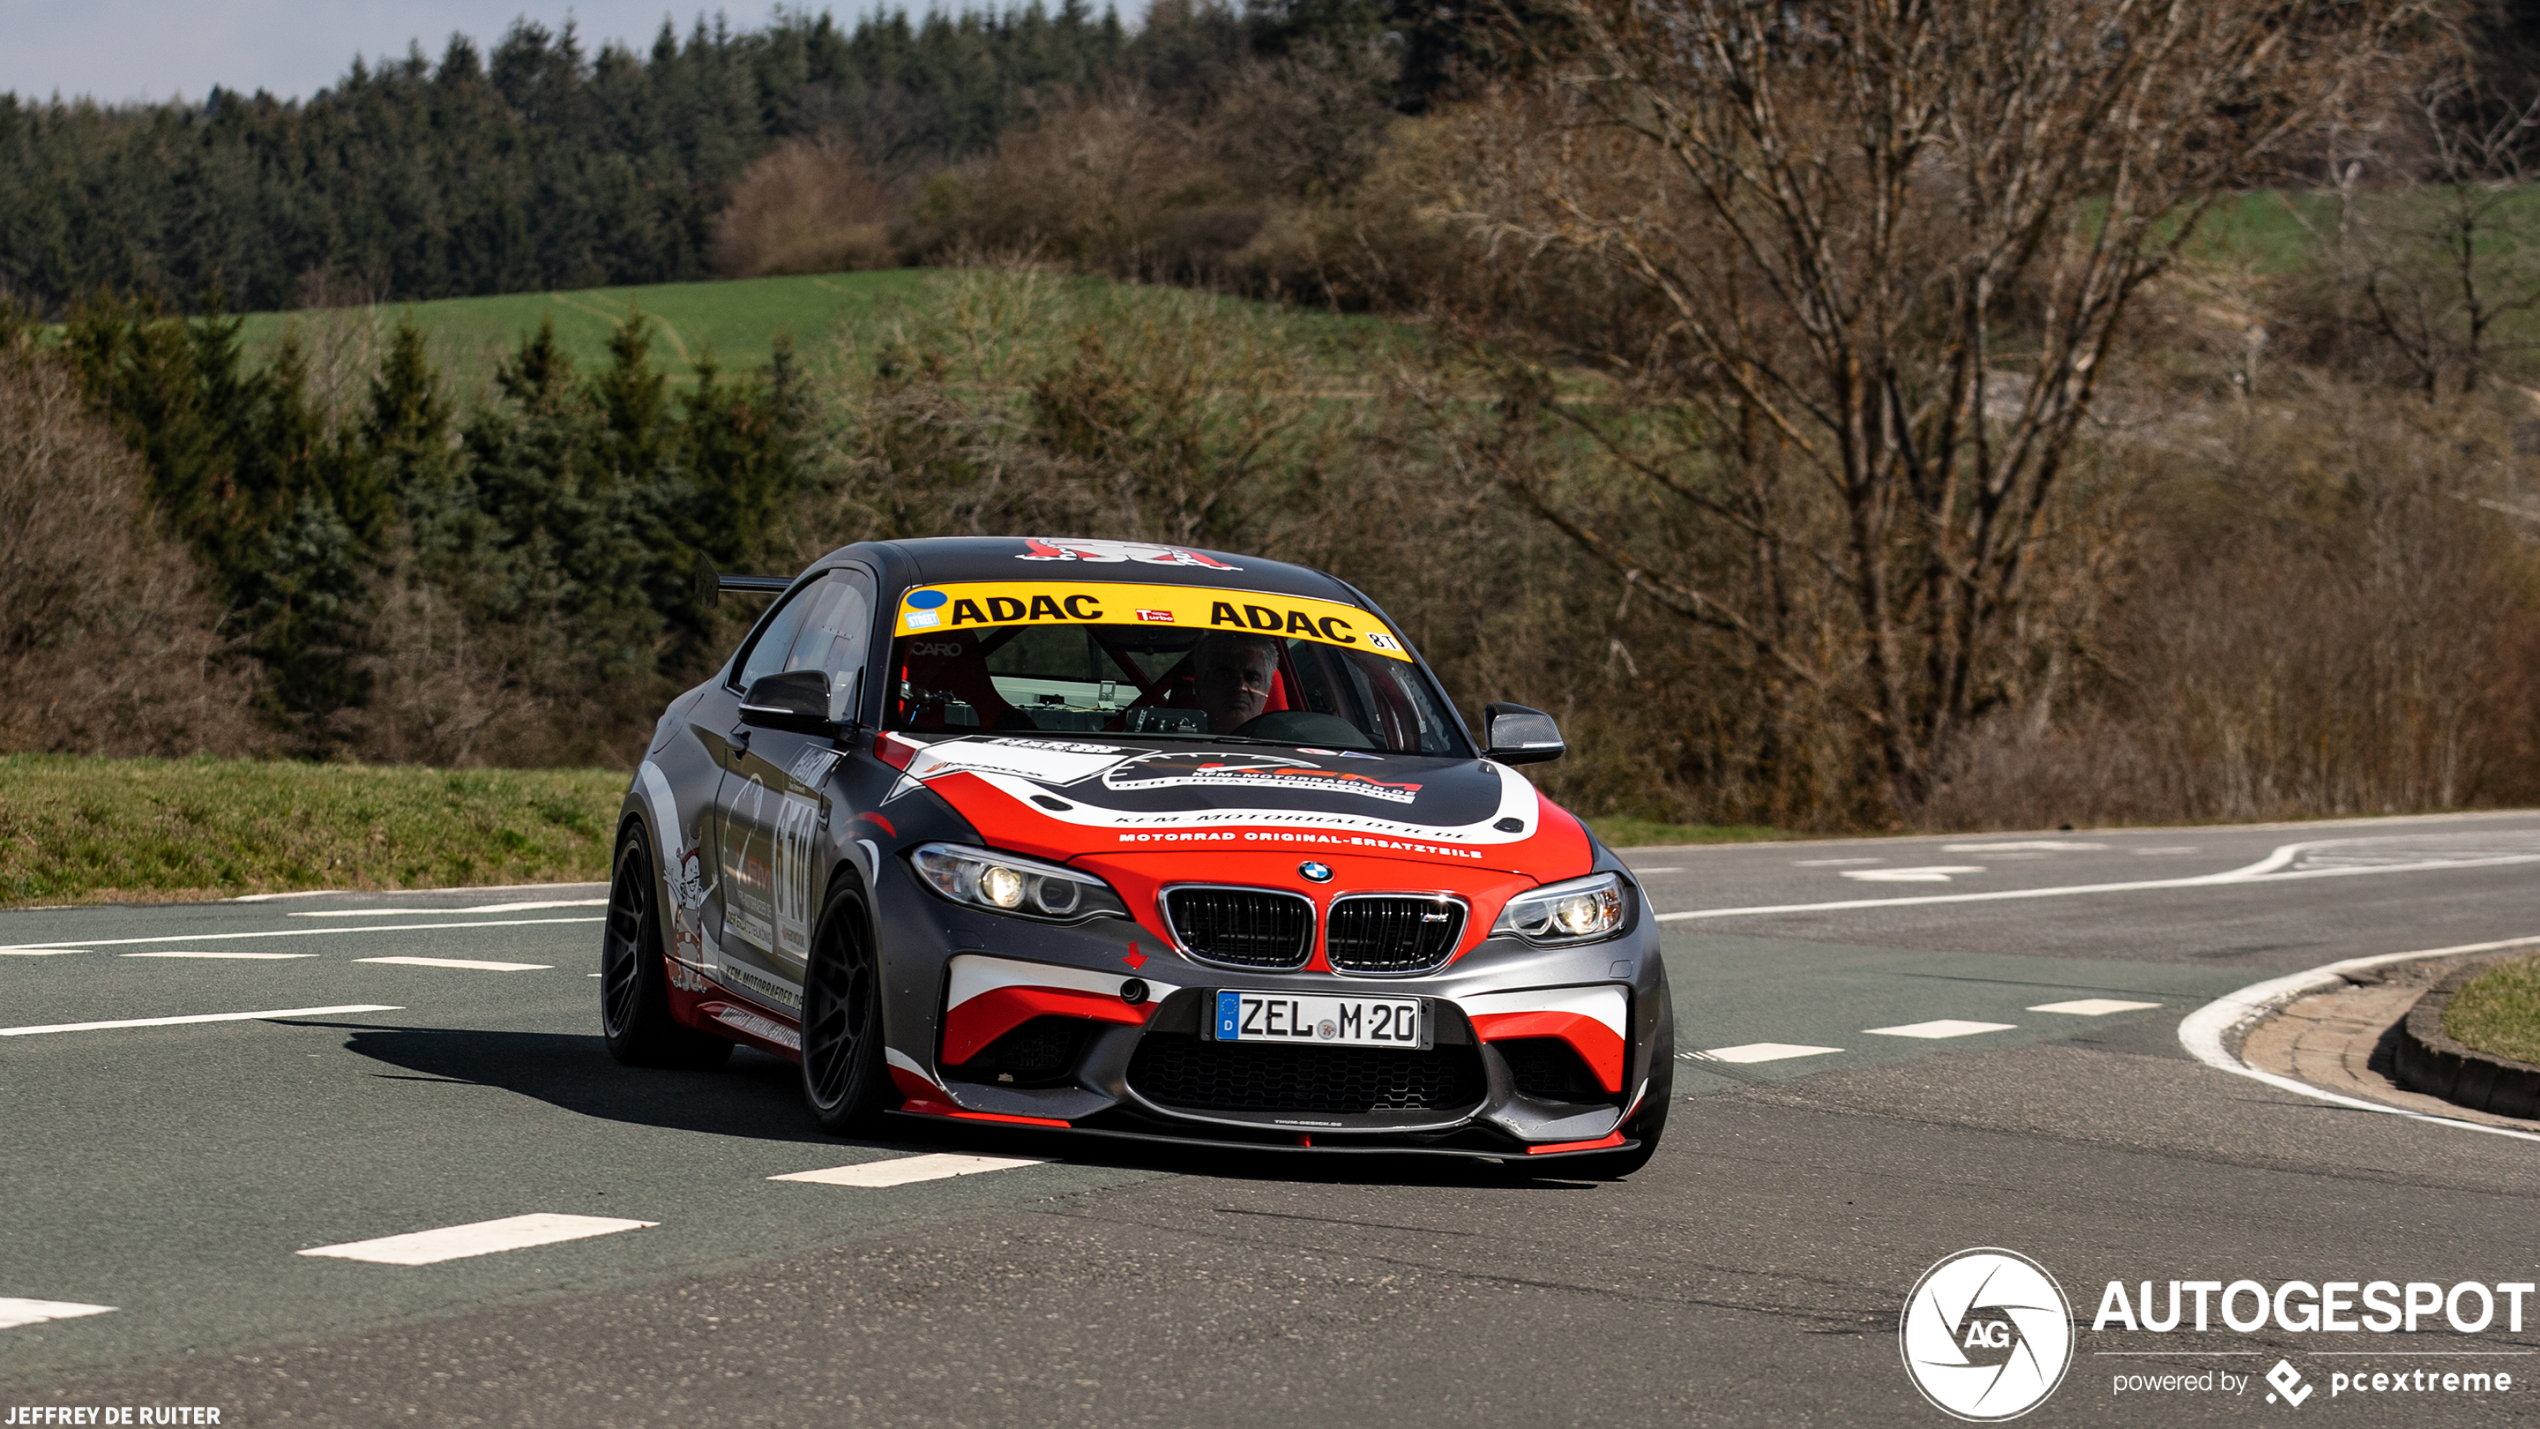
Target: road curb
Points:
(2211, 1033)
(2430, 1061)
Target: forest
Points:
(1841, 417)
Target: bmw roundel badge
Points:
(1315, 872)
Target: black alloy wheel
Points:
(635, 1015)
(844, 1078)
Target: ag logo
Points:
(1987, 1334)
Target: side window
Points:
(830, 637)
(823, 627)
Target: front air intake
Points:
(1392, 933)
(1242, 927)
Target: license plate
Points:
(1325, 1021)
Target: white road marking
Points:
(1830, 862)
(225, 957)
(1929, 873)
(1761, 1052)
(1944, 1027)
(470, 888)
(476, 964)
(2266, 870)
(2206, 1029)
(15, 1312)
(477, 1238)
(2021, 846)
(905, 1170)
(37, 952)
(1657, 870)
(288, 933)
(199, 1017)
(437, 912)
(2092, 1006)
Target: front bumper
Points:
(1538, 1052)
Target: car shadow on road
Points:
(756, 1096)
(760, 1097)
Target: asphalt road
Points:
(1827, 1148)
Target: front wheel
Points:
(634, 999)
(844, 1078)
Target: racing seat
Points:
(942, 685)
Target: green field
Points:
(99, 830)
(738, 321)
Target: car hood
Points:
(1058, 798)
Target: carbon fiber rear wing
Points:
(711, 583)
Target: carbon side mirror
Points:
(1514, 734)
(789, 699)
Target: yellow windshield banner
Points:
(944, 608)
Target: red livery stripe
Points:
(925, 1106)
(1613, 1139)
(1596, 1043)
(972, 1025)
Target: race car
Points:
(1129, 840)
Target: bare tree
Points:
(2429, 244)
(1882, 251)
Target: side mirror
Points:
(1514, 734)
(790, 699)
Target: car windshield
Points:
(1160, 662)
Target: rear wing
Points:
(711, 583)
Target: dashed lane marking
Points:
(198, 1017)
(1928, 873)
(477, 1238)
(474, 964)
(15, 1312)
(1943, 1027)
(905, 1170)
(224, 957)
(1760, 1052)
(38, 952)
(439, 912)
(2092, 1006)
(85, 945)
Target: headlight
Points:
(1003, 883)
(1580, 911)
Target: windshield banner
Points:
(943, 608)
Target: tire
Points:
(634, 997)
(844, 1077)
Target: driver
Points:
(1232, 674)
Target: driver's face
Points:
(1233, 686)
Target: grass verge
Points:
(107, 830)
(2498, 1011)
(103, 830)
